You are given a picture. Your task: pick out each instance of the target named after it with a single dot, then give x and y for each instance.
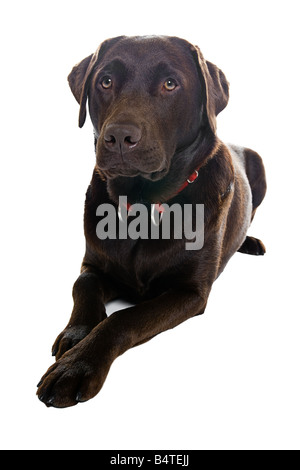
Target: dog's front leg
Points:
(81, 372)
(90, 293)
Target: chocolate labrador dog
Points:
(153, 102)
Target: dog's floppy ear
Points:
(215, 85)
(76, 77)
(80, 76)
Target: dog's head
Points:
(149, 97)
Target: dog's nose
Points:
(122, 136)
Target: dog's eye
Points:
(170, 84)
(106, 82)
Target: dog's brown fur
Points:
(171, 132)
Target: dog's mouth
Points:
(115, 172)
(152, 168)
(148, 162)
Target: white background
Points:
(226, 380)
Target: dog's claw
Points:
(79, 397)
(49, 402)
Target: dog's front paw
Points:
(77, 377)
(71, 336)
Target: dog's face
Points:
(138, 97)
(148, 98)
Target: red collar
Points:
(191, 179)
(158, 206)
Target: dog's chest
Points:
(146, 267)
